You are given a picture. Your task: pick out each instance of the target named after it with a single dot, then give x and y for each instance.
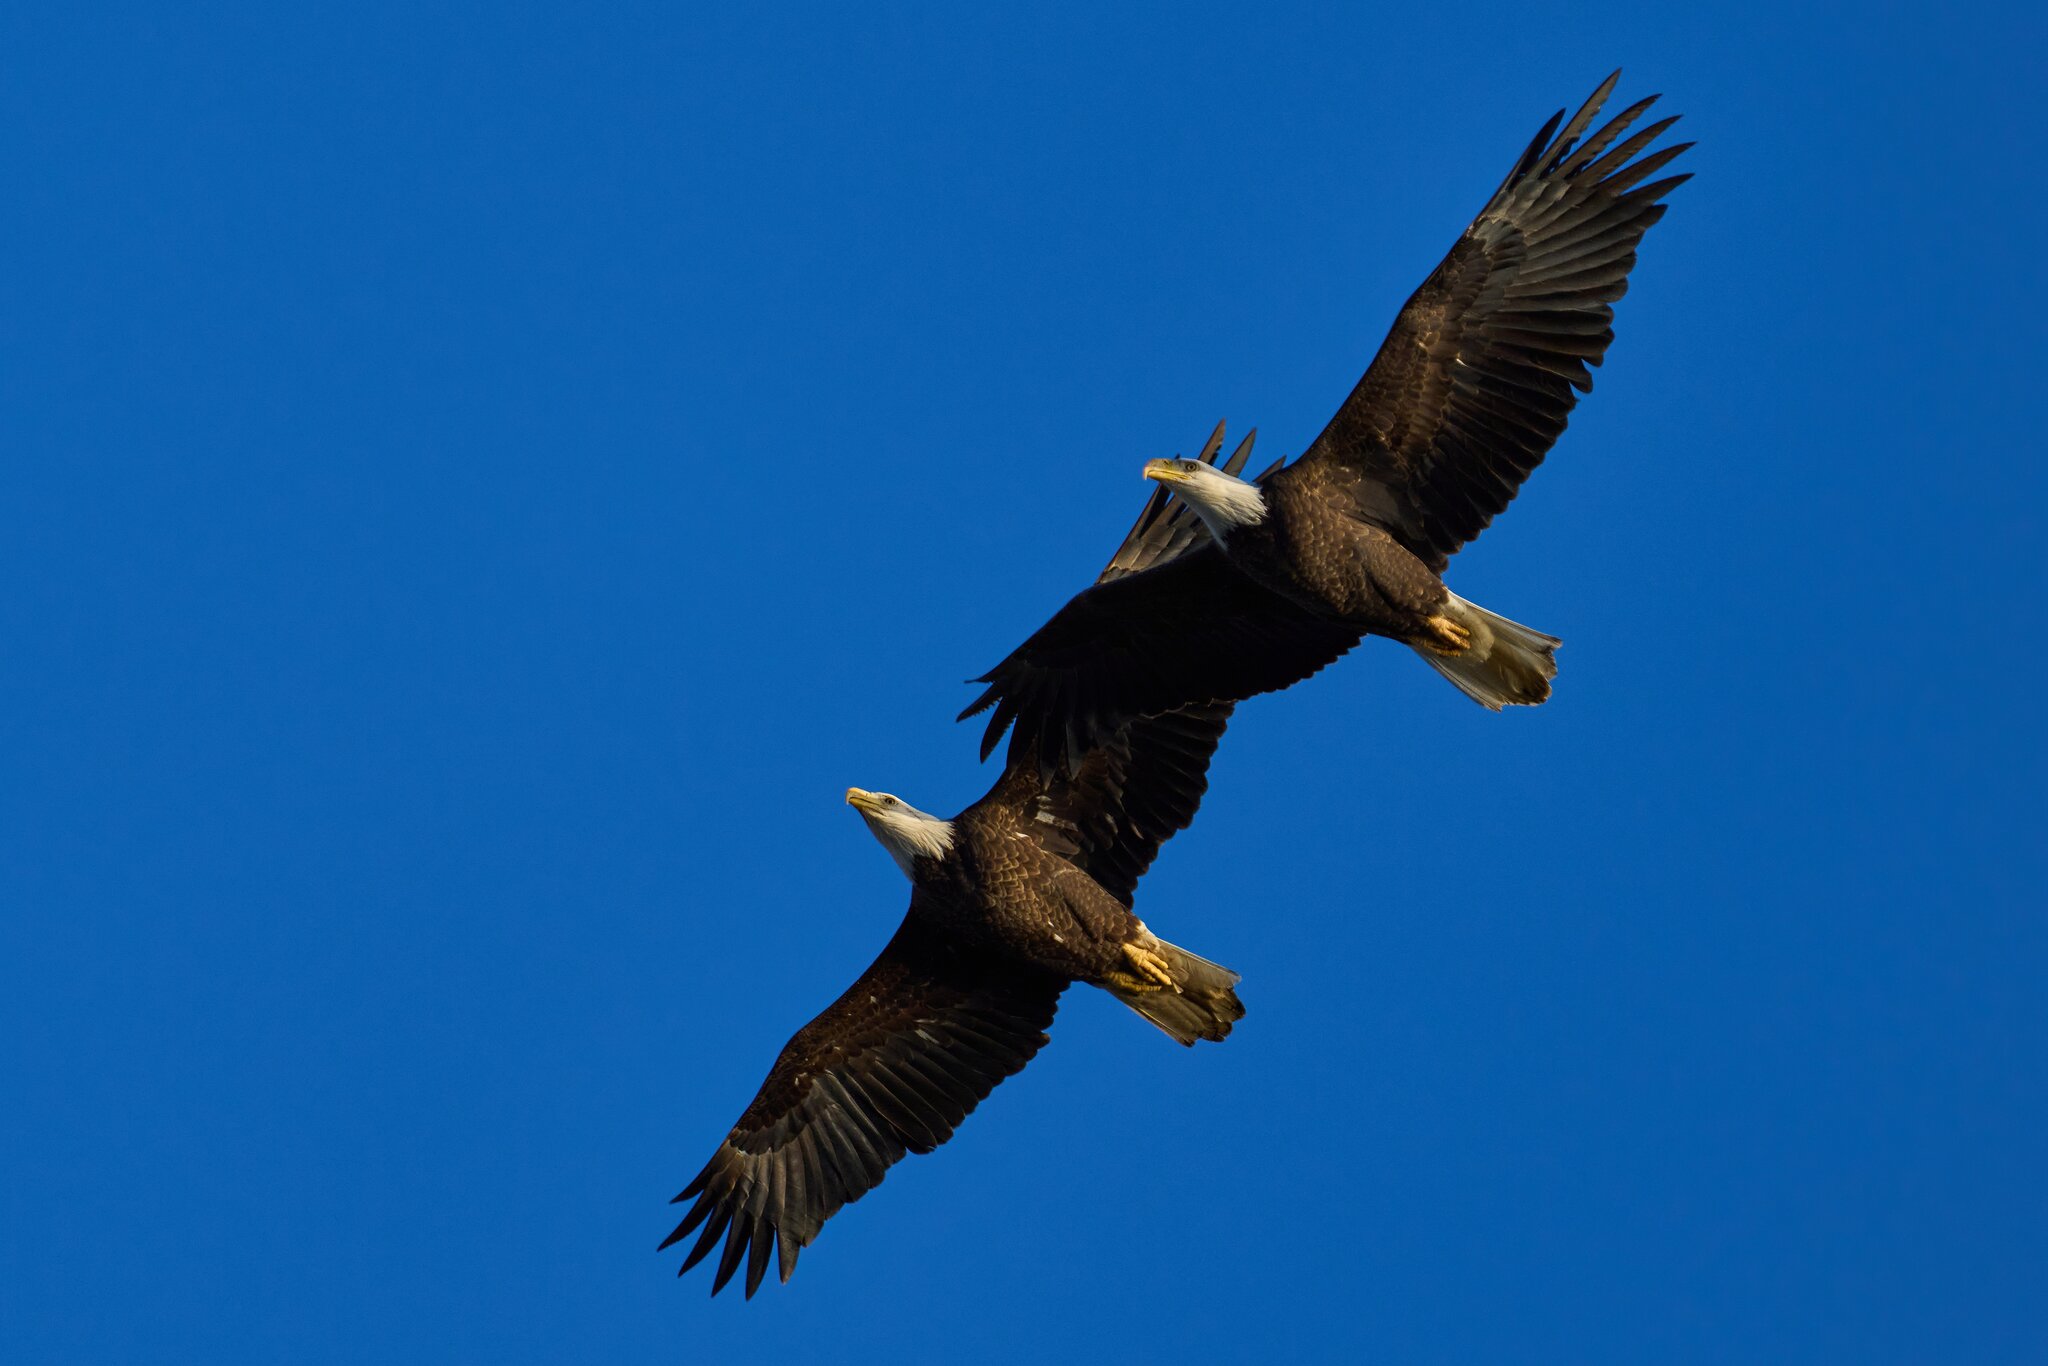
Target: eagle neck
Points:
(1226, 504)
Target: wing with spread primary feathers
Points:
(892, 1066)
(1476, 380)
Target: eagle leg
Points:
(1148, 971)
(1446, 637)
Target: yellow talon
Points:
(1451, 637)
(1152, 971)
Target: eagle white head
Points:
(906, 832)
(1224, 502)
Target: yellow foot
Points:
(1450, 637)
(1149, 971)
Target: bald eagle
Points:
(1024, 892)
(1229, 587)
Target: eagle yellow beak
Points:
(1163, 471)
(860, 799)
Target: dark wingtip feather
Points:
(1594, 101)
(981, 703)
(757, 1256)
(786, 1249)
(736, 1243)
(1530, 154)
(1613, 161)
(707, 1241)
(997, 724)
(1622, 179)
(1656, 190)
(695, 1216)
(1241, 454)
(1580, 122)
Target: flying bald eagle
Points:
(1270, 579)
(1025, 891)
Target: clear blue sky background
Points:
(480, 481)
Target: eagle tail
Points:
(1199, 1005)
(1507, 664)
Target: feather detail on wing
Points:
(893, 1066)
(1476, 380)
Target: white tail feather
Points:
(1507, 665)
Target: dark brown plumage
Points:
(1228, 588)
(1032, 891)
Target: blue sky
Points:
(481, 481)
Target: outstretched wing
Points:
(1476, 380)
(1190, 630)
(891, 1067)
(1128, 796)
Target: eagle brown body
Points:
(1002, 889)
(1314, 551)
